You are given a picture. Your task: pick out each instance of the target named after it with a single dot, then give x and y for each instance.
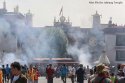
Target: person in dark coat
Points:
(16, 73)
(80, 74)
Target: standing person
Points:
(72, 73)
(87, 72)
(36, 75)
(50, 74)
(1, 75)
(16, 72)
(63, 72)
(57, 72)
(4, 73)
(7, 72)
(80, 74)
(92, 75)
(30, 74)
(46, 70)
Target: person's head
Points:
(47, 66)
(15, 68)
(31, 66)
(7, 65)
(112, 74)
(91, 72)
(64, 65)
(50, 65)
(3, 66)
(81, 66)
(100, 68)
(106, 73)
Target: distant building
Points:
(9, 42)
(114, 39)
(13, 16)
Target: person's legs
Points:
(30, 81)
(50, 80)
(3, 78)
(7, 77)
(47, 80)
(81, 81)
(72, 78)
(35, 81)
(62, 77)
(65, 79)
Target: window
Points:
(120, 55)
(120, 40)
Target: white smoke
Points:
(23, 43)
(82, 48)
(82, 53)
(9, 58)
(26, 43)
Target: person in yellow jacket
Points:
(113, 78)
(1, 76)
(30, 74)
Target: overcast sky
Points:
(79, 11)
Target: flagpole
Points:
(62, 10)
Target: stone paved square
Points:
(56, 80)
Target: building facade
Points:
(114, 39)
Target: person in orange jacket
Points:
(36, 75)
(30, 74)
(1, 76)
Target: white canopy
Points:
(104, 59)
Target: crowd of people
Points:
(16, 73)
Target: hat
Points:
(101, 68)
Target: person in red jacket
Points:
(50, 74)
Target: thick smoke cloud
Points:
(88, 45)
(28, 42)
(23, 43)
